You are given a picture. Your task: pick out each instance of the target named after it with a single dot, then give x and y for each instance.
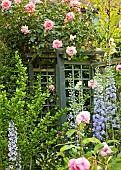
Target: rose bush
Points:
(88, 153)
(34, 26)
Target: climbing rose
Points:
(30, 7)
(38, 2)
(71, 51)
(24, 29)
(91, 84)
(79, 164)
(51, 1)
(17, 1)
(71, 164)
(51, 87)
(69, 16)
(48, 24)
(72, 37)
(83, 116)
(6, 4)
(57, 44)
(105, 151)
(118, 68)
(74, 3)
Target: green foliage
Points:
(8, 70)
(40, 39)
(109, 18)
(92, 153)
(37, 134)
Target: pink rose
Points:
(48, 25)
(6, 4)
(38, 2)
(74, 3)
(69, 16)
(72, 37)
(105, 151)
(17, 1)
(71, 51)
(83, 116)
(71, 164)
(51, 1)
(24, 29)
(81, 164)
(91, 84)
(118, 68)
(30, 7)
(57, 44)
(51, 87)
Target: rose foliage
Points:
(88, 153)
(34, 26)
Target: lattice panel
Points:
(75, 73)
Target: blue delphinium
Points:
(110, 102)
(104, 117)
(99, 111)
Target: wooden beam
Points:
(104, 63)
(43, 70)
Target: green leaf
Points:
(66, 160)
(114, 149)
(115, 166)
(98, 147)
(81, 126)
(88, 154)
(88, 140)
(119, 155)
(66, 147)
(113, 141)
(70, 132)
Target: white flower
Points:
(77, 87)
(72, 37)
(99, 168)
(111, 40)
(12, 146)
(98, 49)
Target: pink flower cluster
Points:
(30, 7)
(91, 84)
(38, 2)
(79, 164)
(69, 16)
(24, 29)
(83, 116)
(57, 44)
(17, 1)
(118, 68)
(74, 3)
(71, 51)
(51, 87)
(105, 151)
(6, 4)
(48, 25)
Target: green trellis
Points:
(56, 65)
